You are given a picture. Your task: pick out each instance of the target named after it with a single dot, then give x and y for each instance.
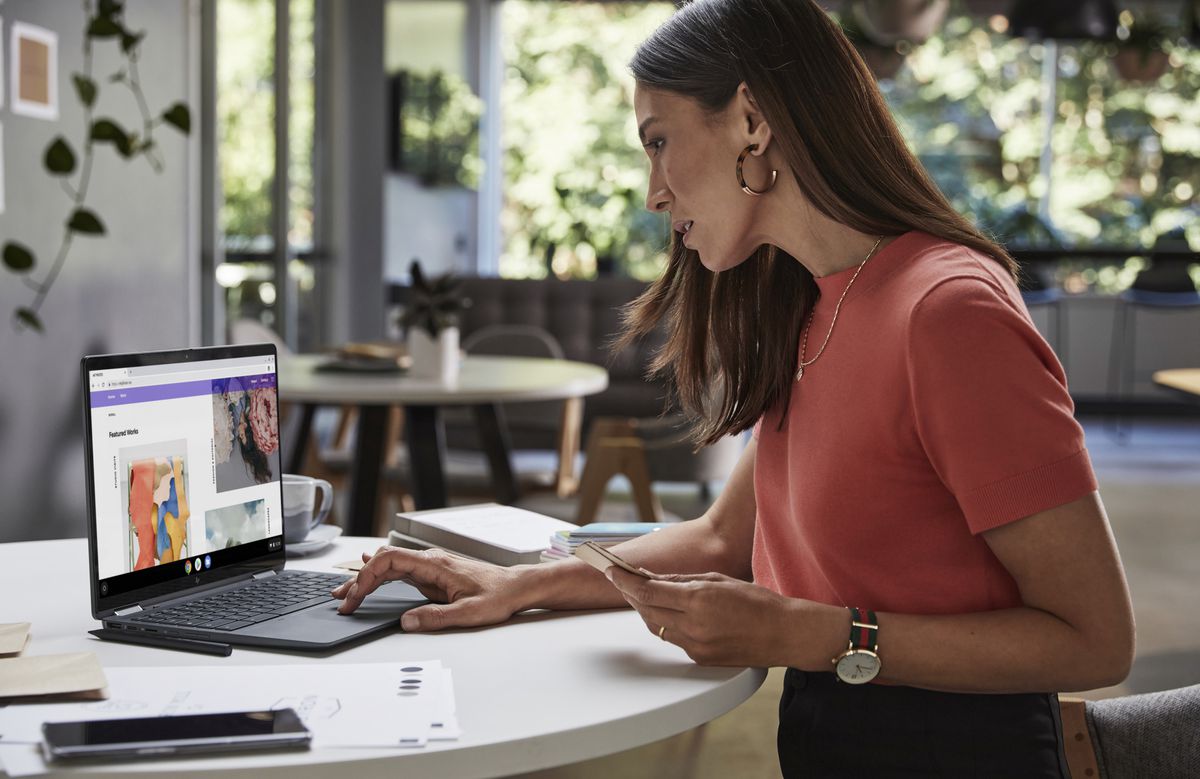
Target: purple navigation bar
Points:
(185, 389)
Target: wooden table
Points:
(1185, 380)
(483, 384)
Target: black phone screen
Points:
(145, 734)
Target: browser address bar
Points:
(238, 363)
(194, 374)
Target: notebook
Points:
(185, 506)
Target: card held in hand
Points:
(601, 559)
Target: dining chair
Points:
(1164, 291)
(1154, 734)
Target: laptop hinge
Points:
(262, 575)
(128, 611)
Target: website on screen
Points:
(186, 462)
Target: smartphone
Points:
(178, 735)
(601, 559)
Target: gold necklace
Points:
(804, 341)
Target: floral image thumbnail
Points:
(245, 433)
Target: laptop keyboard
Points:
(258, 601)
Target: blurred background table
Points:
(483, 384)
(1184, 380)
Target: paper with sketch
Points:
(74, 675)
(13, 638)
(361, 705)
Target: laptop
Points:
(185, 508)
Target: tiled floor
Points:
(1150, 482)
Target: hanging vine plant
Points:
(105, 22)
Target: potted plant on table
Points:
(430, 320)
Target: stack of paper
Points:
(564, 542)
(403, 705)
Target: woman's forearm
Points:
(689, 547)
(1011, 650)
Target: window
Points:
(1125, 156)
(574, 173)
(246, 108)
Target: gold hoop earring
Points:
(741, 178)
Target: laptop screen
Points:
(185, 467)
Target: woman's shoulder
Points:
(935, 269)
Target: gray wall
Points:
(355, 161)
(132, 289)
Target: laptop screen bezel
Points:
(258, 555)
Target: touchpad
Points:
(396, 591)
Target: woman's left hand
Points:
(719, 620)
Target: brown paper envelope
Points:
(13, 638)
(75, 675)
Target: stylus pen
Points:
(163, 642)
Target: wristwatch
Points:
(860, 664)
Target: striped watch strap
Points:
(864, 629)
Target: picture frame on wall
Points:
(33, 71)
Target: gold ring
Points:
(662, 630)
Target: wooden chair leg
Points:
(565, 481)
(601, 464)
(638, 473)
(347, 421)
(614, 447)
(1077, 740)
(392, 497)
(395, 436)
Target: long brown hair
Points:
(733, 337)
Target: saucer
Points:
(318, 538)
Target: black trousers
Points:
(831, 729)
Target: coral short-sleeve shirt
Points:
(937, 412)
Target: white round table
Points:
(541, 690)
(483, 383)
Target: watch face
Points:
(858, 667)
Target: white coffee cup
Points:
(299, 502)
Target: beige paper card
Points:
(350, 565)
(13, 638)
(76, 676)
(602, 559)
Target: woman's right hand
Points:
(465, 593)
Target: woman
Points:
(916, 509)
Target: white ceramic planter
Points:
(434, 358)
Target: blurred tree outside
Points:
(1126, 156)
(574, 173)
(246, 137)
(1126, 163)
(245, 107)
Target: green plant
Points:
(104, 22)
(438, 128)
(433, 304)
(575, 175)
